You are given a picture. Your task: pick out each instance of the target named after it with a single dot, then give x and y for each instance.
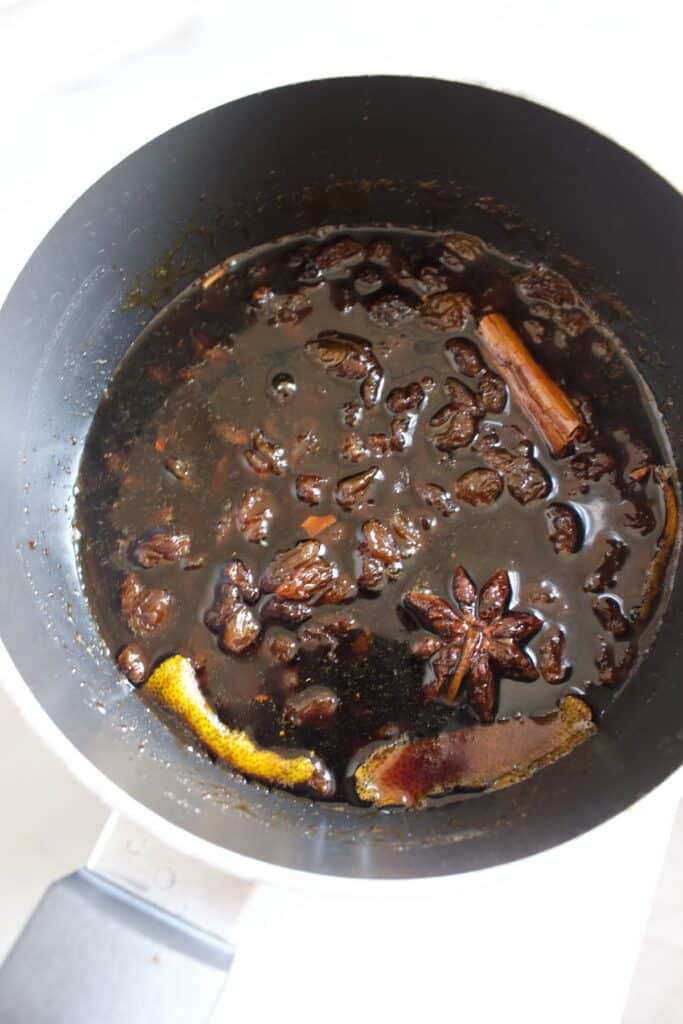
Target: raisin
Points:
(283, 648)
(132, 661)
(372, 385)
(183, 471)
(593, 465)
(340, 590)
(371, 576)
(525, 478)
(158, 547)
(465, 356)
(243, 578)
(341, 355)
(407, 533)
(312, 708)
(241, 631)
(254, 514)
(353, 448)
(226, 599)
(390, 310)
(551, 660)
(452, 426)
(402, 428)
(604, 576)
(282, 309)
(545, 285)
(436, 497)
(379, 445)
(609, 614)
(492, 392)
(408, 398)
(145, 609)
(309, 488)
(265, 456)
(351, 490)
(298, 573)
(564, 528)
(430, 281)
(446, 311)
(289, 613)
(460, 248)
(382, 544)
(381, 252)
(479, 487)
(342, 253)
(352, 414)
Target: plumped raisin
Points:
(446, 311)
(265, 456)
(390, 310)
(408, 535)
(160, 546)
(564, 528)
(145, 609)
(312, 708)
(609, 614)
(460, 248)
(243, 578)
(545, 285)
(289, 613)
(283, 648)
(408, 398)
(298, 573)
(342, 253)
(353, 448)
(254, 514)
(309, 488)
(132, 661)
(340, 590)
(612, 558)
(351, 490)
(479, 487)
(465, 356)
(241, 630)
(437, 497)
(551, 660)
(492, 392)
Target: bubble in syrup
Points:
(284, 386)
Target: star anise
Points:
(477, 640)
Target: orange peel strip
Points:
(654, 576)
(313, 525)
(174, 686)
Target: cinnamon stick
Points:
(544, 402)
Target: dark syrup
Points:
(211, 359)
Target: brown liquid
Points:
(210, 370)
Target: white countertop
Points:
(83, 85)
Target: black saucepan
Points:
(358, 150)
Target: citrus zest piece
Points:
(174, 686)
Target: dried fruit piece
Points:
(133, 662)
(407, 398)
(309, 487)
(298, 573)
(289, 613)
(348, 358)
(283, 648)
(551, 661)
(242, 577)
(525, 478)
(353, 448)
(174, 686)
(340, 590)
(408, 771)
(436, 497)
(382, 545)
(544, 285)
(313, 708)
(390, 310)
(254, 514)
(593, 465)
(479, 487)
(455, 424)
(564, 528)
(492, 392)
(226, 600)
(604, 576)
(609, 614)
(407, 533)
(145, 609)
(265, 456)
(344, 252)
(446, 311)
(241, 631)
(465, 356)
(460, 248)
(402, 428)
(351, 490)
(160, 546)
(183, 470)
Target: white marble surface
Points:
(83, 84)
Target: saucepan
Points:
(358, 150)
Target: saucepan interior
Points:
(333, 152)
